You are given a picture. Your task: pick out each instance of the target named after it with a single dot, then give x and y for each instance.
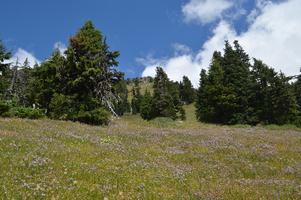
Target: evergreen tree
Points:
(212, 95)
(201, 102)
(21, 88)
(162, 102)
(283, 101)
(5, 72)
(48, 79)
(121, 105)
(187, 92)
(146, 106)
(297, 91)
(84, 83)
(236, 67)
(137, 97)
(272, 96)
(174, 90)
(90, 71)
(166, 96)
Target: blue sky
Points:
(147, 33)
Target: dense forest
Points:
(84, 84)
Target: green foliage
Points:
(98, 116)
(272, 98)
(48, 80)
(60, 107)
(234, 92)
(26, 112)
(137, 97)
(163, 104)
(4, 70)
(146, 106)
(121, 105)
(187, 92)
(4, 108)
(20, 88)
(78, 85)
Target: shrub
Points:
(60, 106)
(95, 117)
(23, 112)
(4, 108)
(297, 121)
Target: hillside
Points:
(135, 159)
(144, 83)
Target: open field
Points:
(134, 159)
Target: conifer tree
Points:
(5, 72)
(48, 79)
(174, 90)
(137, 97)
(21, 88)
(83, 84)
(283, 101)
(163, 101)
(90, 71)
(236, 67)
(202, 102)
(146, 106)
(297, 91)
(121, 105)
(187, 92)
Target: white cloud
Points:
(181, 49)
(274, 36)
(60, 46)
(205, 11)
(21, 56)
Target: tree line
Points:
(236, 91)
(83, 84)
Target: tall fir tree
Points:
(236, 67)
(201, 101)
(162, 102)
(90, 71)
(21, 89)
(48, 79)
(82, 84)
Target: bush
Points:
(4, 108)
(60, 107)
(23, 112)
(95, 117)
(297, 122)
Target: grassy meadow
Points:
(136, 159)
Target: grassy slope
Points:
(143, 87)
(134, 159)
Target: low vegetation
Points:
(137, 159)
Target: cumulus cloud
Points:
(274, 35)
(21, 55)
(61, 47)
(205, 11)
